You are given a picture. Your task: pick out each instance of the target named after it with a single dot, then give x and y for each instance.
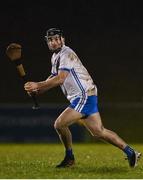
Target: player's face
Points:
(54, 43)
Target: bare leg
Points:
(65, 137)
(94, 125)
(68, 117)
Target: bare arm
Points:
(49, 77)
(49, 83)
(43, 90)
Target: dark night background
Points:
(107, 36)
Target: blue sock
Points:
(69, 152)
(128, 150)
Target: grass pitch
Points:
(37, 161)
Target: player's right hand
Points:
(31, 88)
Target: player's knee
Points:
(99, 132)
(57, 124)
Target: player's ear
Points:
(63, 40)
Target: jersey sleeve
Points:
(53, 72)
(66, 62)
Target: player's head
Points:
(55, 39)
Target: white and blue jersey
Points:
(78, 82)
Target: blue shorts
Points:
(85, 106)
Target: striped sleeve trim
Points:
(53, 74)
(65, 69)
